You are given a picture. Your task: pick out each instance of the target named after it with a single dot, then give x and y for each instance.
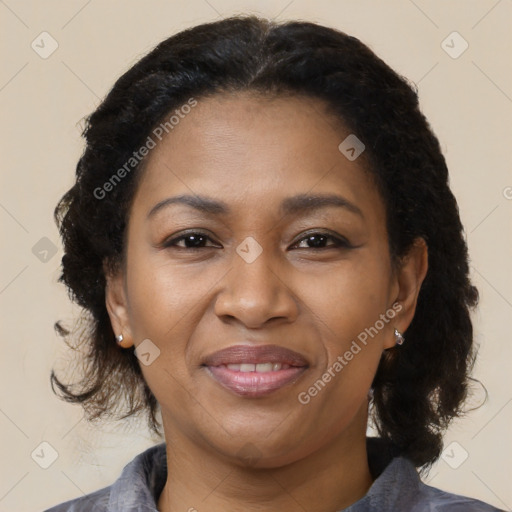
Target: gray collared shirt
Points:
(396, 488)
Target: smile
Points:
(255, 380)
(254, 371)
(260, 367)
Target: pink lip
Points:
(255, 384)
(238, 354)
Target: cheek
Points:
(166, 303)
(347, 306)
(345, 316)
(348, 299)
(163, 297)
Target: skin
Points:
(252, 153)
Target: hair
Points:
(418, 387)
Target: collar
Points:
(396, 481)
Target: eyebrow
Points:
(290, 206)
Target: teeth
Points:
(260, 367)
(265, 367)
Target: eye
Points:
(192, 240)
(318, 239)
(196, 240)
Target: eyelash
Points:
(340, 242)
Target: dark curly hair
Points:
(419, 387)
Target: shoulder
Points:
(437, 500)
(399, 487)
(97, 501)
(137, 488)
(420, 497)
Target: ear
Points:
(117, 305)
(409, 279)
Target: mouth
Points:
(255, 371)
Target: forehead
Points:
(253, 151)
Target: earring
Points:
(399, 339)
(119, 339)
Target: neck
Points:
(331, 478)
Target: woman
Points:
(263, 234)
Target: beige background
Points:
(468, 101)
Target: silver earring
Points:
(399, 339)
(119, 338)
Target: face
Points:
(283, 285)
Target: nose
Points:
(256, 292)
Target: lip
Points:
(252, 383)
(254, 354)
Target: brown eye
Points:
(319, 239)
(192, 240)
(197, 240)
